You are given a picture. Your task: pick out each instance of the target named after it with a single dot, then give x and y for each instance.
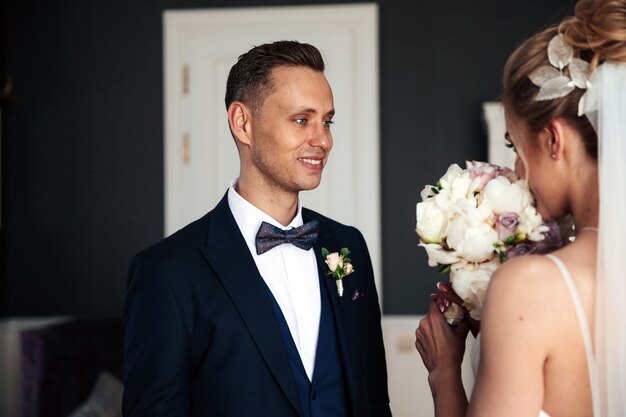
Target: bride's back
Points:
(566, 376)
(532, 350)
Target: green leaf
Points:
(438, 185)
(444, 268)
(511, 240)
(434, 190)
(347, 260)
(345, 252)
(325, 252)
(502, 256)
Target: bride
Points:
(553, 339)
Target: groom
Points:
(235, 314)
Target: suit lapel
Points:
(346, 345)
(228, 254)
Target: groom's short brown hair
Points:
(249, 79)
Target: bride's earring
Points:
(553, 146)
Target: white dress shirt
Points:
(289, 272)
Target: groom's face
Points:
(292, 130)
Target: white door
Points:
(200, 46)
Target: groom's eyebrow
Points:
(311, 110)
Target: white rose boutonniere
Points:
(339, 265)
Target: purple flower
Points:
(482, 169)
(506, 225)
(481, 173)
(524, 248)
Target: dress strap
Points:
(584, 328)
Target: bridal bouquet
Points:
(474, 219)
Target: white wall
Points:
(408, 384)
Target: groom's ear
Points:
(240, 122)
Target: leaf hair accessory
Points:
(551, 80)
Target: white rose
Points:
(432, 222)
(437, 255)
(504, 197)
(470, 282)
(334, 261)
(471, 236)
(348, 268)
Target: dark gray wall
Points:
(83, 143)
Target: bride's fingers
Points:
(446, 291)
(419, 338)
(419, 344)
(442, 303)
(424, 343)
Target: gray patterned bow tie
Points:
(270, 236)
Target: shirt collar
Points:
(250, 217)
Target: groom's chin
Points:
(310, 183)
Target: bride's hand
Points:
(446, 297)
(440, 345)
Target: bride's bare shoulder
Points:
(537, 275)
(523, 271)
(523, 289)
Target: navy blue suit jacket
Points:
(202, 338)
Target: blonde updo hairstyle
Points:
(597, 32)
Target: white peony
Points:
(504, 197)
(437, 255)
(472, 235)
(460, 187)
(456, 200)
(470, 282)
(451, 174)
(455, 188)
(432, 221)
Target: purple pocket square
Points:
(356, 295)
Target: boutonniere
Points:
(339, 265)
